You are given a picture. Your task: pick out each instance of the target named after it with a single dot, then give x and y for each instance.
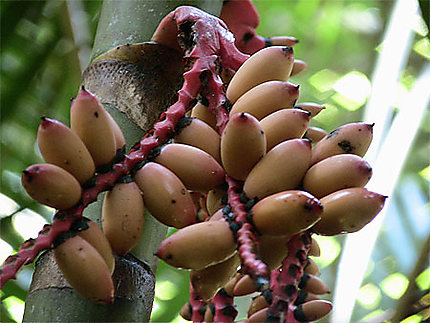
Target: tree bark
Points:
(135, 87)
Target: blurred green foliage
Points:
(338, 39)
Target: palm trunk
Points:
(135, 90)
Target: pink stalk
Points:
(198, 306)
(225, 310)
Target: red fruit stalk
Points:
(284, 281)
(197, 306)
(210, 40)
(224, 307)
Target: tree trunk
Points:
(135, 83)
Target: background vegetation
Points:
(46, 44)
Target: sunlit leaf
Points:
(412, 319)
(15, 307)
(395, 285)
(323, 80)
(165, 290)
(352, 90)
(425, 173)
(369, 296)
(373, 315)
(423, 279)
(330, 250)
(422, 47)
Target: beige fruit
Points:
(298, 67)
(244, 286)
(313, 284)
(281, 169)
(273, 249)
(215, 200)
(95, 236)
(315, 250)
(198, 246)
(117, 132)
(202, 113)
(60, 146)
(165, 196)
(200, 135)
(282, 41)
(123, 216)
(187, 161)
(315, 134)
(351, 138)
(258, 303)
(259, 316)
(243, 144)
(271, 63)
(313, 310)
(206, 282)
(266, 98)
(348, 210)
(311, 268)
(312, 107)
(85, 270)
(286, 213)
(335, 173)
(91, 123)
(51, 185)
(284, 125)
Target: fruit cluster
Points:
(245, 179)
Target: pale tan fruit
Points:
(60, 146)
(315, 134)
(258, 303)
(313, 310)
(165, 196)
(85, 270)
(91, 123)
(123, 216)
(117, 132)
(281, 169)
(51, 185)
(200, 135)
(198, 170)
(315, 250)
(311, 268)
(351, 138)
(283, 125)
(208, 281)
(226, 75)
(271, 63)
(229, 286)
(209, 313)
(286, 213)
(243, 144)
(312, 107)
(218, 215)
(266, 98)
(348, 210)
(198, 246)
(313, 284)
(282, 41)
(202, 113)
(186, 311)
(259, 316)
(335, 173)
(216, 200)
(273, 249)
(298, 67)
(95, 236)
(244, 286)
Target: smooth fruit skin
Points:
(200, 135)
(312, 107)
(243, 144)
(315, 134)
(313, 310)
(266, 98)
(95, 236)
(244, 286)
(214, 200)
(206, 282)
(271, 63)
(85, 270)
(284, 125)
(298, 67)
(286, 213)
(91, 123)
(351, 138)
(257, 304)
(117, 132)
(187, 161)
(273, 249)
(123, 216)
(165, 196)
(198, 246)
(313, 284)
(51, 185)
(335, 173)
(281, 169)
(202, 113)
(348, 210)
(60, 146)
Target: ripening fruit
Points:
(215, 200)
(283, 125)
(258, 316)
(244, 286)
(281, 169)
(51, 185)
(206, 282)
(198, 246)
(273, 249)
(60, 146)
(266, 98)
(335, 173)
(91, 123)
(311, 268)
(315, 134)
(165, 196)
(313, 284)
(198, 170)
(202, 113)
(123, 216)
(243, 143)
(298, 67)
(351, 138)
(348, 210)
(286, 213)
(258, 303)
(271, 63)
(313, 108)
(312, 311)
(85, 270)
(117, 132)
(95, 236)
(200, 135)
